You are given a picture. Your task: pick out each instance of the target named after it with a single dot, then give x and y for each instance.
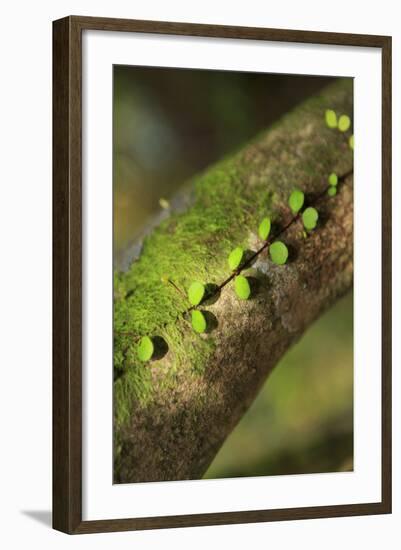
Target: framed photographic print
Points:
(222, 274)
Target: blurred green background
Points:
(170, 124)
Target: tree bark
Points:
(173, 414)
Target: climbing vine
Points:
(239, 260)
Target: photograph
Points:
(233, 249)
(204, 194)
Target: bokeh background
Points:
(170, 124)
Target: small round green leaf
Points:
(332, 191)
(310, 217)
(351, 141)
(344, 122)
(331, 118)
(235, 258)
(333, 179)
(242, 288)
(278, 252)
(195, 293)
(198, 321)
(296, 200)
(164, 203)
(145, 348)
(264, 228)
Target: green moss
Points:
(188, 246)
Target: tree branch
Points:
(173, 414)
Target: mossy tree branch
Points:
(173, 414)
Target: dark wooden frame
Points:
(67, 280)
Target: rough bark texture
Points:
(173, 414)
